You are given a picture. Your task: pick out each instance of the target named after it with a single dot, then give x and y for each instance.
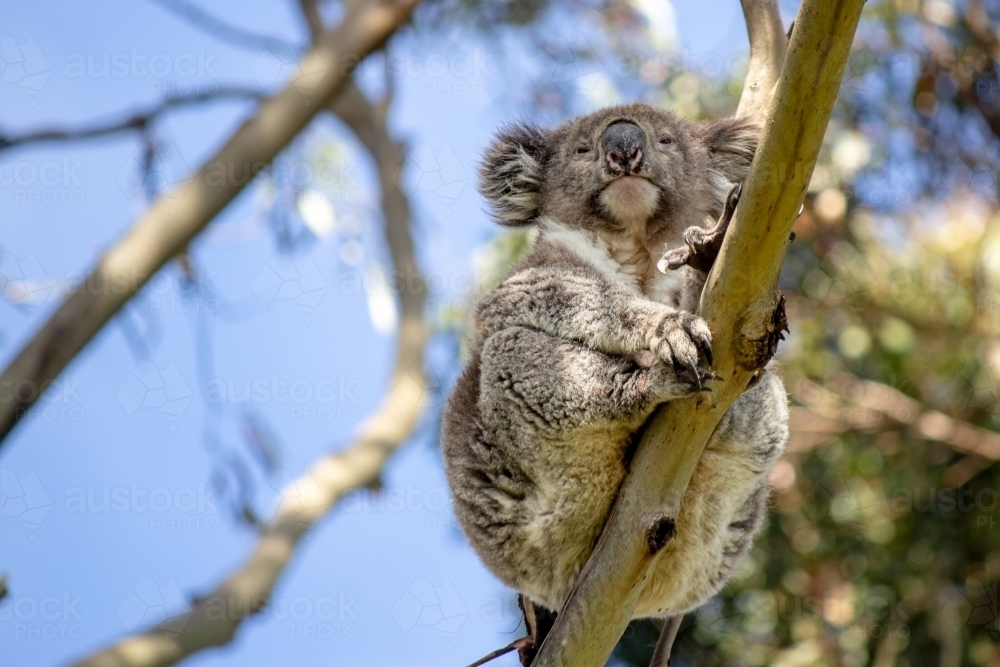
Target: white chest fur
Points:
(620, 258)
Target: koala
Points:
(572, 352)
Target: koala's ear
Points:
(511, 174)
(731, 144)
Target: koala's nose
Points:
(623, 143)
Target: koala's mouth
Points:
(630, 199)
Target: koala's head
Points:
(632, 167)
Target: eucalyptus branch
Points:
(310, 12)
(215, 618)
(739, 303)
(767, 53)
(177, 217)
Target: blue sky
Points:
(379, 581)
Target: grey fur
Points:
(575, 349)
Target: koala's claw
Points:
(672, 382)
(680, 339)
(705, 345)
(702, 245)
(702, 376)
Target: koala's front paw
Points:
(701, 246)
(678, 340)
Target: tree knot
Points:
(662, 530)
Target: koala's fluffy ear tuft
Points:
(511, 174)
(731, 144)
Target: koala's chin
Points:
(630, 200)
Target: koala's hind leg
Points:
(725, 503)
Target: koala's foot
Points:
(537, 621)
(702, 245)
(669, 382)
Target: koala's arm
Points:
(599, 313)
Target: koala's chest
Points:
(634, 264)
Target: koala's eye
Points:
(582, 150)
(666, 141)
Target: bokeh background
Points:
(142, 477)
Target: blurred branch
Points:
(978, 22)
(137, 121)
(220, 29)
(743, 309)
(310, 11)
(215, 618)
(177, 217)
(889, 648)
(847, 403)
(971, 92)
(368, 122)
(767, 53)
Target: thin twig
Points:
(137, 121)
(665, 644)
(310, 11)
(216, 27)
(493, 655)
